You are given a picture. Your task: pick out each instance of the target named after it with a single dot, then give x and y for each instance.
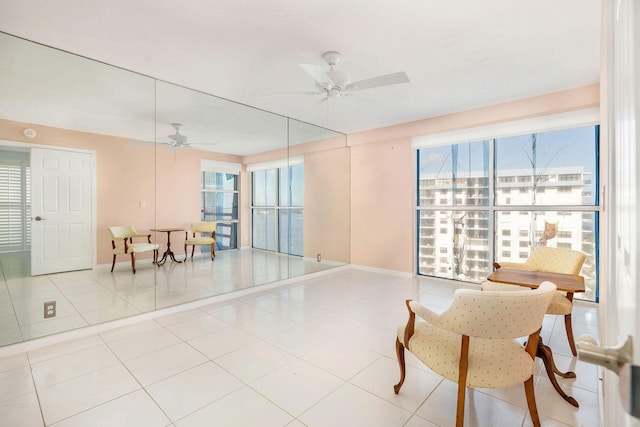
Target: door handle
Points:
(618, 359)
(39, 218)
(612, 358)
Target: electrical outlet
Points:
(319, 258)
(49, 309)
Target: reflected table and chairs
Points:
(569, 283)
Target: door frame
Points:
(620, 273)
(94, 203)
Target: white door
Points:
(61, 211)
(621, 289)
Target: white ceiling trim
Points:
(275, 164)
(590, 116)
(218, 166)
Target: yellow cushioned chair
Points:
(197, 228)
(553, 260)
(474, 341)
(127, 233)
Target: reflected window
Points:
(277, 214)
(220, 195)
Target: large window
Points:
(219, 193)
(516, 192)
(277, 209)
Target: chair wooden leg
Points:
(569, 329)
(462, 380)
(113, 264)
(193, 248)
(185, 252)
(400, 355)
(531, 401)
(155, 256)
(213, 251)
(133, 262)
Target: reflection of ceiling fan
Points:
(334, 83)
(177, 139)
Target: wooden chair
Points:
(127, 233)
(553, 260)
(474, 341)
(197, 228)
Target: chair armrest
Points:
(424, 312)
(414, 308)
(147, 235)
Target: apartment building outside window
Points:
(555, 177)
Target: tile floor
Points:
(318, 352)
(94, 296)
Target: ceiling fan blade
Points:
(318, 74)
(386, 80)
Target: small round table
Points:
(168, 253)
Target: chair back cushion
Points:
(203, 227)
(499, 314)
(122, 231)
(556, 260)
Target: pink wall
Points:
(383, 177)
(382, 207)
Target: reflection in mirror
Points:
(161, 157)
(80, 114)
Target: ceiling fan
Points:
(334, 83)
(178, 140)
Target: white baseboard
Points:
(383, 270)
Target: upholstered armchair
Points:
(196, 230)
(553, 260)
(473, 342)
(126, 234)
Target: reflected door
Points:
(61, 222)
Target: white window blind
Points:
(14, 206)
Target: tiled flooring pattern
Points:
(318, 352)
(94, 296)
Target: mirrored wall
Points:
(85, 146)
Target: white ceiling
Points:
(458, 55)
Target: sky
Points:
(569, 147)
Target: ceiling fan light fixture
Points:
(334, 93)
(332, 57)
(340, 79)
